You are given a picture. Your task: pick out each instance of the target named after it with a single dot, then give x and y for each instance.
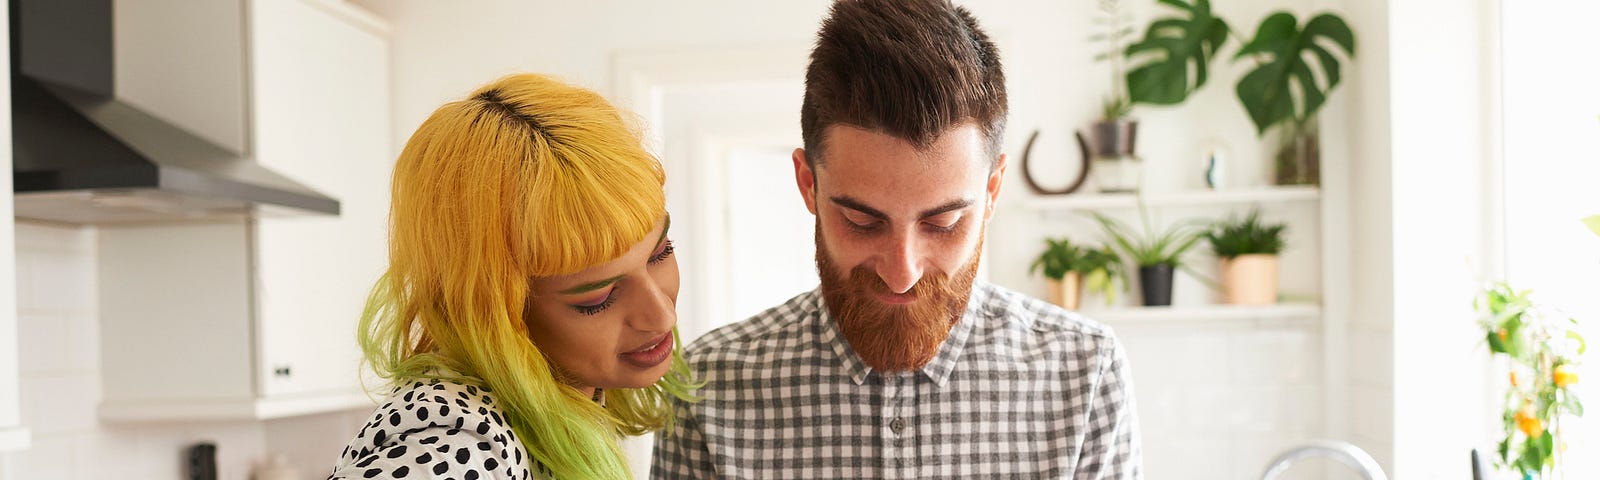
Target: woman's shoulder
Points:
(431, 428)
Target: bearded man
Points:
(899, 365)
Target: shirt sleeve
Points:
(433, 452)
(682, 453)
(1111, 449)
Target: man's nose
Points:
(900, 267)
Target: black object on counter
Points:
(202, 460)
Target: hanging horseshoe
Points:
(1027, 174)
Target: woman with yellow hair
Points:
(526, 320)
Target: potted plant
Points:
(1069, 268)
(1543, 351)
(1281, 91)
(1158, 254)
(1248, 254)
(1116, 167)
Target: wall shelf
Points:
(1210, 316)
(1187, 198)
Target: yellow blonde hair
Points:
(528, 177)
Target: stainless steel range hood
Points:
(83, 156)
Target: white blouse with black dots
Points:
(437, 429)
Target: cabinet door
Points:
(11, 435)
(321, 110)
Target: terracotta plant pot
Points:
(1250, 279)
(1067, 291)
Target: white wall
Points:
(1442, 161)
(1369, 349)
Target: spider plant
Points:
(1151, 248)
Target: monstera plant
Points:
(1282, 90)
(1178, 44)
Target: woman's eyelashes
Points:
(594, 308)
(666, 251)
(611, 297)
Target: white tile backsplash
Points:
(1197, 457)
(1219, 403)
(60, 403)
(50, 456)
(59, 349)
(62, 281)
(43, 346)
(1274, 357)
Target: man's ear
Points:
(997, 178)
(805, 179)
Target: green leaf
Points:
(1268, 92)
(1275, 31)
(1582, 345)
(1593, 221)
(1332, 27)
(1495, 345)
(1235, 237)
(1164, 248)
(1573, 405)
(1176, 44)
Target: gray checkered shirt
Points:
(1020, 389)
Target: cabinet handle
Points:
(282, 371)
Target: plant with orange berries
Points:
(1543, 349)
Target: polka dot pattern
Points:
(437, 429)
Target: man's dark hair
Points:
(908, 68)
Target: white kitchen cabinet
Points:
(12, 435)
(256, 319)
(322, 116)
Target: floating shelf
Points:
(1210, 316)
(1190, 198)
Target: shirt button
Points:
(897, 425)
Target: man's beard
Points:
(889, 337)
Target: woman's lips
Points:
(652, 354)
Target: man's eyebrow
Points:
(853, 204)
(947, 207)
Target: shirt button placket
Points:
(891, 435)
(897, 438)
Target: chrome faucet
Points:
(1344, 452)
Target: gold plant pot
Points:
(1250, 279)
(1067, 291)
